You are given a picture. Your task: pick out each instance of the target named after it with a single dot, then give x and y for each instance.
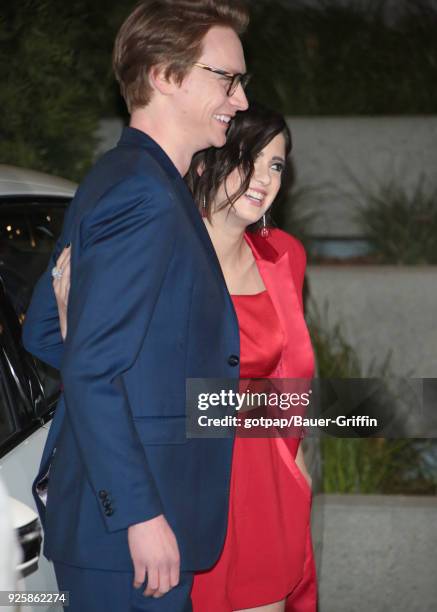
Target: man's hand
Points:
(154, 551)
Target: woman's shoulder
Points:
(283, 241)
(286, 243)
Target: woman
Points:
(267, 561)
(267, 557)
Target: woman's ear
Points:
(200, 168)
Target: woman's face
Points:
(264, 185)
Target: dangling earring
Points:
(203, 212)
(265, 232)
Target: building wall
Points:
(382, 309)
(328, 151)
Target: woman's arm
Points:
(41, 330)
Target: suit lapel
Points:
(275, 270)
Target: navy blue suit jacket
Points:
(148, 308)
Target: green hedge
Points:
(56, 82)
(400, 224)
(366, 465)
(56, 79)
(344, 59)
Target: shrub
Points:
(399, 223)
(335, 58)
(56, 80)
(366, 465)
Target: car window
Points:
(13, 360)
(23, 404)
(29, 228)
(15, 409)
(31, 225)
(7, 425)
(38, 376)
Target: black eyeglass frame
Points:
(235, 79)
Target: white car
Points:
(32, 206)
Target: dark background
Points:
(308, 58)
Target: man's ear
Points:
(160, 82)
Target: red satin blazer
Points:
(281, 261)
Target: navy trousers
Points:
(105, 591)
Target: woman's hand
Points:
(300, 462)
(61, 287)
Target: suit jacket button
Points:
(233, 360)
(106, 503)
(109, 511)
(103, 494)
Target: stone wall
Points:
(376, 552)
(328, 151)
(383, 309)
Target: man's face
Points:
(203, 106)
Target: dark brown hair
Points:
(249, 133)
(168, 33)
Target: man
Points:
(133, 507)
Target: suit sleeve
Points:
(126, 247)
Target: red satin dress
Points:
(267, 538)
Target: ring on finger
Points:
(57, 272)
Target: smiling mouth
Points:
(256, 197)
(223, 119)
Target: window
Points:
(7, 424)
(15, 410)
(29, 228)
(23, 404)
(28, 232)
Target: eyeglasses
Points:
(234, 79)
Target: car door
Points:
(25, 416)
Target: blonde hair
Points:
(168, 33)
